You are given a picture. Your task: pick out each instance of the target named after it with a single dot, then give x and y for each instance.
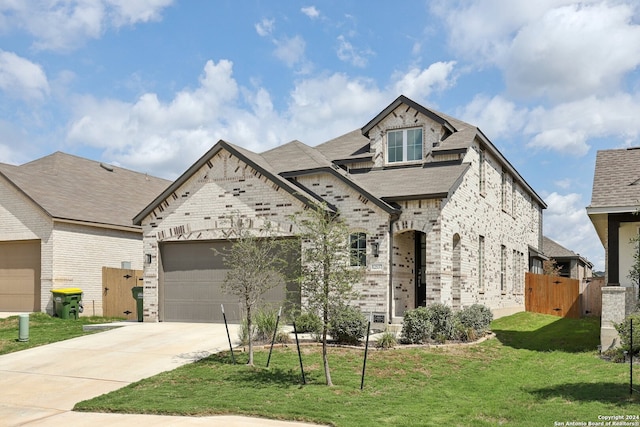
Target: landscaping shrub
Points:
(283, 337)
(477, 317)
(416, 326)
(348, 325)
(463, 333)
(265, 320)
(441, 317)
(625, 333)
(387, 340)
(308, 323)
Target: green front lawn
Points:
(43, 329)
(538, 371)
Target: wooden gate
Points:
(117, 299)
(559, 296)
(592, 297)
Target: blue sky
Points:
(151, 85)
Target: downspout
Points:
(392, 220)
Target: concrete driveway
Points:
(41, 385)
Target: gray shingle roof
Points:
(295, 156)
(351, 145)
(616, 182)
(74, 188)
(403, 183)
(554, 249)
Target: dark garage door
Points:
(191, 284)
(20, 276)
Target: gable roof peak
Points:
(400, 100)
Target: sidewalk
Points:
(41, 385)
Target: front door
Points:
(420, 240)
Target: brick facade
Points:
(485, 197)
(71, 255)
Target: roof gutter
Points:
(131, 229)
(611, 210)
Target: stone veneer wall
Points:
(617, 303)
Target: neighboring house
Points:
(570, 264)
(437, 214)
(574, 266)
(62, 218)
(615, 199)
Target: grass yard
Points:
(540, 370)
(43, 329)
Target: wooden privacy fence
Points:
(117, 298)
(592, 297)
(559, 296)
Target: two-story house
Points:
(437, 214)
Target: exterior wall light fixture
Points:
(375, 249)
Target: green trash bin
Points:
(138, 293)
(67, 302)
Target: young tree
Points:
(327, 277)
(255, 265)
(550, 267)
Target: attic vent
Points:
(636, 182)
(106, 167)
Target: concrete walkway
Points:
(40, 386)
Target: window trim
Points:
(405, 146)
(358, 254)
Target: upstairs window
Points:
(358, 244)
(404, 145)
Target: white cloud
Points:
(560, 49)
(566, 222)
(497, 117)
(311, 12)
(420, 83)
(565, 184)
(165, 138)
(265, 27)
(62, 25)
(127, 12)
(22, 78)
(347, 53)
(326, 107)
(567, 127)
(162, 136)
(573, 51)
(290, 50)
(562, 140)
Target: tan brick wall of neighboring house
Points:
(80, 252)
(22, 219)
(71, 255)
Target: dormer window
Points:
(404, 145)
